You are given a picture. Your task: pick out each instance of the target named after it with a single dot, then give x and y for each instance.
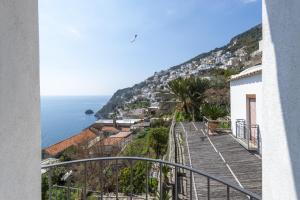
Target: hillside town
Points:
(242, 52)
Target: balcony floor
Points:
(221, 156)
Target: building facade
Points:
(246, 107)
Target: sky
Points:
(85, 46)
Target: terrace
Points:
(145, 178)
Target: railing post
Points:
(208, 188)
(85, 180)
(117, 180)
(68, 194)
(246, 130)
(160, 182)
(236, 129)
(228, 192)
(147, 181)
(50, 183)
(175, 144)
(131, 179)
(100, 181)
(56, 194)
(62, 195)
(191, 185)
(258, 140)
(176, 183)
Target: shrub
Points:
(159, 140)
(224, 125)
(214, 111)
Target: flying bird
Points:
(134, 38)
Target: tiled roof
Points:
(124, 129)
(110, 141)
(82, 137)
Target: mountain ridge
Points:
(240, 52)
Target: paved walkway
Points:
(221, 156)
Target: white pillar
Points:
(19, 101)
(281, 112)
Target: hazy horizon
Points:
(85, 48)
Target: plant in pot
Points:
(213, 112)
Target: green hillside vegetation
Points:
(151, 143)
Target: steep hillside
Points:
(241, 52)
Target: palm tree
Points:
(196, 89)
(190, 91)
(179, 88)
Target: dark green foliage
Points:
(139, 179)
(143, 146)
(190, 91)
(226, 73)
(57, 174)
(214, 111)
(181, 116)
(159, 140)
(139, 146)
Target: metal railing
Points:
(210, 187)
(249, 135)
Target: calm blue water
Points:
(65, 116)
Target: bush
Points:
(159, 140)
(181, 116)
(214, 111)
(139, 178)
(224, 125)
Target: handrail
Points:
(243, 132)
(242, 190)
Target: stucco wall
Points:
(19, 101)
(281, 110)
(238, 90)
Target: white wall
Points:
(238, 90)
(281, 110)
(19, 101)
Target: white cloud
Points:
(249, 1)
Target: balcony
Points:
(133, 178)
(248, 135)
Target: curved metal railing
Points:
(207, 187)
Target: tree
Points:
(179, 88)
(190, 91)
(159, 140)
(196, 89)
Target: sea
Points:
(64, 116)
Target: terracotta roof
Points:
(110, 129)
(110, 141)
(121, 135)
(124, 129)
(84, 136)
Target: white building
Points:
(246, 107)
